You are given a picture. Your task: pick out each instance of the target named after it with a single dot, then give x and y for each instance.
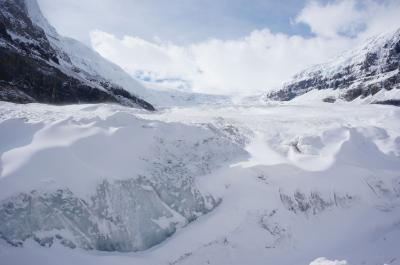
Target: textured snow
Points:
(324, 261)
(321, 180)
(76, 57)
(105, 142)
(358, 74)
(37, 18)
(102, 160)
(352, 57)
(214, 183)
(19, 38)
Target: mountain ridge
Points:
(37, 66)
(361, 74)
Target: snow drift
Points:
(304, 181)
(113, 183)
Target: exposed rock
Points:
(313, 203)
(361, 73)
(32, 69)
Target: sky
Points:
(220, 46)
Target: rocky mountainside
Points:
(369, 73)
(38, 65)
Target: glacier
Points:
(203, 179)
(233, 184)
(115, 184)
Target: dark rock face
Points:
(44, 83)
(393, 102)
(358, 74)
(313, 203)
(31, 39)
(30, 68)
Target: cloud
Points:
(350, 17)
(255, 63)
(174, 20)
(324, 261)
(258, 62)
(140, 57)
(333, 19)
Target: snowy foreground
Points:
(280, 184)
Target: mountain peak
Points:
(40, 66)
(38, 18)
(364, 73)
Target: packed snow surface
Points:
(284, 184)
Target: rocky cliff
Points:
(36, 64)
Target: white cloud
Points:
(255, 63)
(157, 60)
(333, 19)
(324, 261)
(258, 62)
(350, 17)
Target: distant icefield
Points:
(280, 184)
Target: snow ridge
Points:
(364, 74)
(72, 73)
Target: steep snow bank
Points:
(129, 183)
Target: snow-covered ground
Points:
(279, 184)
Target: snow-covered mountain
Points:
(38, 65)
(31, 47)
(205, 181)
(369, 73)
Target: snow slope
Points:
(369, 73)
(79, 60)
(74, 54)
(105, 179)
(304, 181)
(28, 35)
(38, 65)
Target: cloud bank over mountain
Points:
(261, 61)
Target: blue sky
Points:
(221, 46)
(180, 21)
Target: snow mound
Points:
(112, 183)
(324, 261)
(233, 185)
